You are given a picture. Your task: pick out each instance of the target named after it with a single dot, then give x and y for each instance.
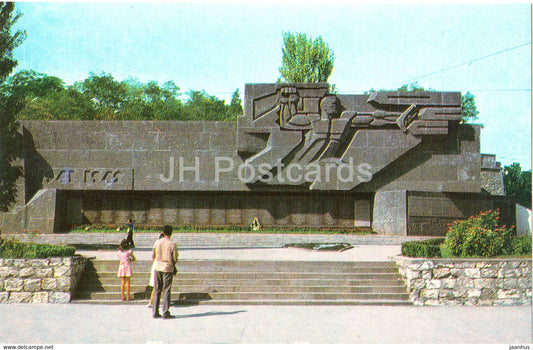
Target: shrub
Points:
(479, 236)
(429, 248)
(521, 245)
(18, 250)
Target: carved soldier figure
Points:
(302, 124)
(289, 117)
(327, 132)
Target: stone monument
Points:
(400, 163)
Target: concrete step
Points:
(251, 296)
(266, 266)
(248, 282)
(338, 302)
(253, 275)
(199, 280)
(183, 288)
(255, 282)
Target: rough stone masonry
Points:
(467, 282)
(50, 280)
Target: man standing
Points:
(129, 239)
(165, 255)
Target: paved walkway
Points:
(212, 324)
(225, 246)
(358, 253)
(220, 240)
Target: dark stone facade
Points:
(398, 162)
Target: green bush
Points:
(429, 248)
(480, 236)
(521, 245)
(18, 250)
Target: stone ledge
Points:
(468, 282)
(51, 280)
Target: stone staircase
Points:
(254, 282)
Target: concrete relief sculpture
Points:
(292, 127)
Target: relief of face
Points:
(330, 107)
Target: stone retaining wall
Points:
(467, 282)
(51, 280)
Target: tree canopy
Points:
(517, 184)
(305, 60)
(8, 107)
(102, 97)
(470, 112)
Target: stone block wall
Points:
(523, 220)
(448, 165)
(51, 280)
(390, 209)
(295, 209)
(429, 213)
(491, 175)
(467, 282)
(92, 172)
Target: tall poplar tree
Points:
(305, 60)
(8, 106)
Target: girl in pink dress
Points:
(124, 270)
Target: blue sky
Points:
(218, 47)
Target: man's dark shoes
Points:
(157, 316)
(168, 316)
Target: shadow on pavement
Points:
(96, 246)
(212, 313)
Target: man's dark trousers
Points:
(162, 288)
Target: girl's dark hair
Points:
(123, 245)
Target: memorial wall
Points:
(400, 163)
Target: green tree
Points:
(413, 87)
(169, 107)
(202, 106)
(470, 112)
(67, 104)
(29, 83)
(107, 94)
(101, 97)
(46, 97)
(305, 60)
(235, 106)
(517, 184)
(407, 87)
(8, 106)
(151, 102)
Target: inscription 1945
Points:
(85, 178)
